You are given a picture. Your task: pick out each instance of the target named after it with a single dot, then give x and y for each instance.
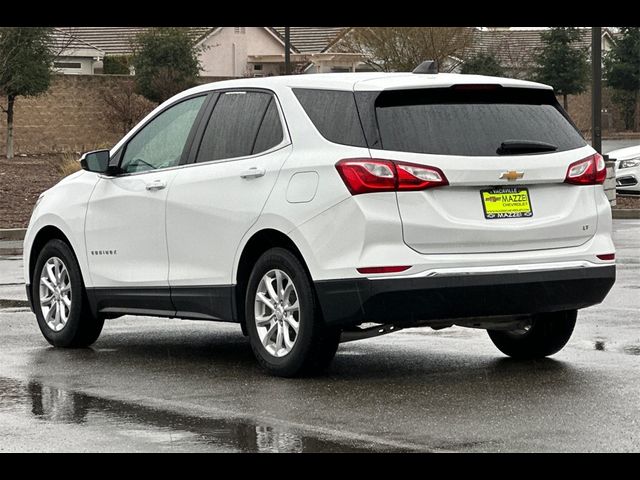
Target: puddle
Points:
(155, 427)
(632, 349)
(599, 345)
(13, 304)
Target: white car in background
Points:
(627, 169)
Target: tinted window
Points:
(160, 143)
(234, 128)
(334, 114)
(471, 123)
(270, 132)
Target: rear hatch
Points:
(505, 153)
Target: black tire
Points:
(548, 334)
(315, 344)
(82, 327)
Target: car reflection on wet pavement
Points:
(169, 385)
(162, 428)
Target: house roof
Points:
(63, 42)
(311, 39)
(517, 48)
(119, 40)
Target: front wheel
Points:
(59, 299)
(287, 334)
(546, 334)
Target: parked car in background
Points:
(627, 169)
(316, 209)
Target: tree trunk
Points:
(10, 103)
(565, 101)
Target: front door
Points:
(125, 225)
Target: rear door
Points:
(493, 144)
(214, 201)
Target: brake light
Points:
(369, 175)
(607, 256)
(476, 86)
(368, 270)
(588, 171)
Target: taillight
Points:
(368, 175)
(588, 171)
(363, 175)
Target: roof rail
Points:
(429, 67)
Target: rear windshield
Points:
(473, 122)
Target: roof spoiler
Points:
(429, 67)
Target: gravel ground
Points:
(22, 180)
(627, 201)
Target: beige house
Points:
(230, 52)
(236, 51)
(259, 51)
(74, 56)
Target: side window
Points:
(270, 133)
(242, 123)
(160, 143)
(334, 114)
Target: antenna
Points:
(429, 67)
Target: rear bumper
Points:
(409, 300)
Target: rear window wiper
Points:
(524, 146)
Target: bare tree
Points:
(404, 48)
(124, 107)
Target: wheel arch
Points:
(260, 242)
(44, 235)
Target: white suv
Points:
(315, 209)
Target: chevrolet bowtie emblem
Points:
(511, 176)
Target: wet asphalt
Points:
(159, 385)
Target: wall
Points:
(228, 51)
(70, 117)
(580, 112)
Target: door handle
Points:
(253, 173)
(156, 185)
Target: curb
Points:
(13, 234)
(626, 213)
(10, 252)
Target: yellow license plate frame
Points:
(506, 202)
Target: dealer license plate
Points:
(506, 202)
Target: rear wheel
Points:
(286, 330)
(546, 334)
(59, 299)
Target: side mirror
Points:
(96, 161)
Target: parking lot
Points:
(169, 385)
